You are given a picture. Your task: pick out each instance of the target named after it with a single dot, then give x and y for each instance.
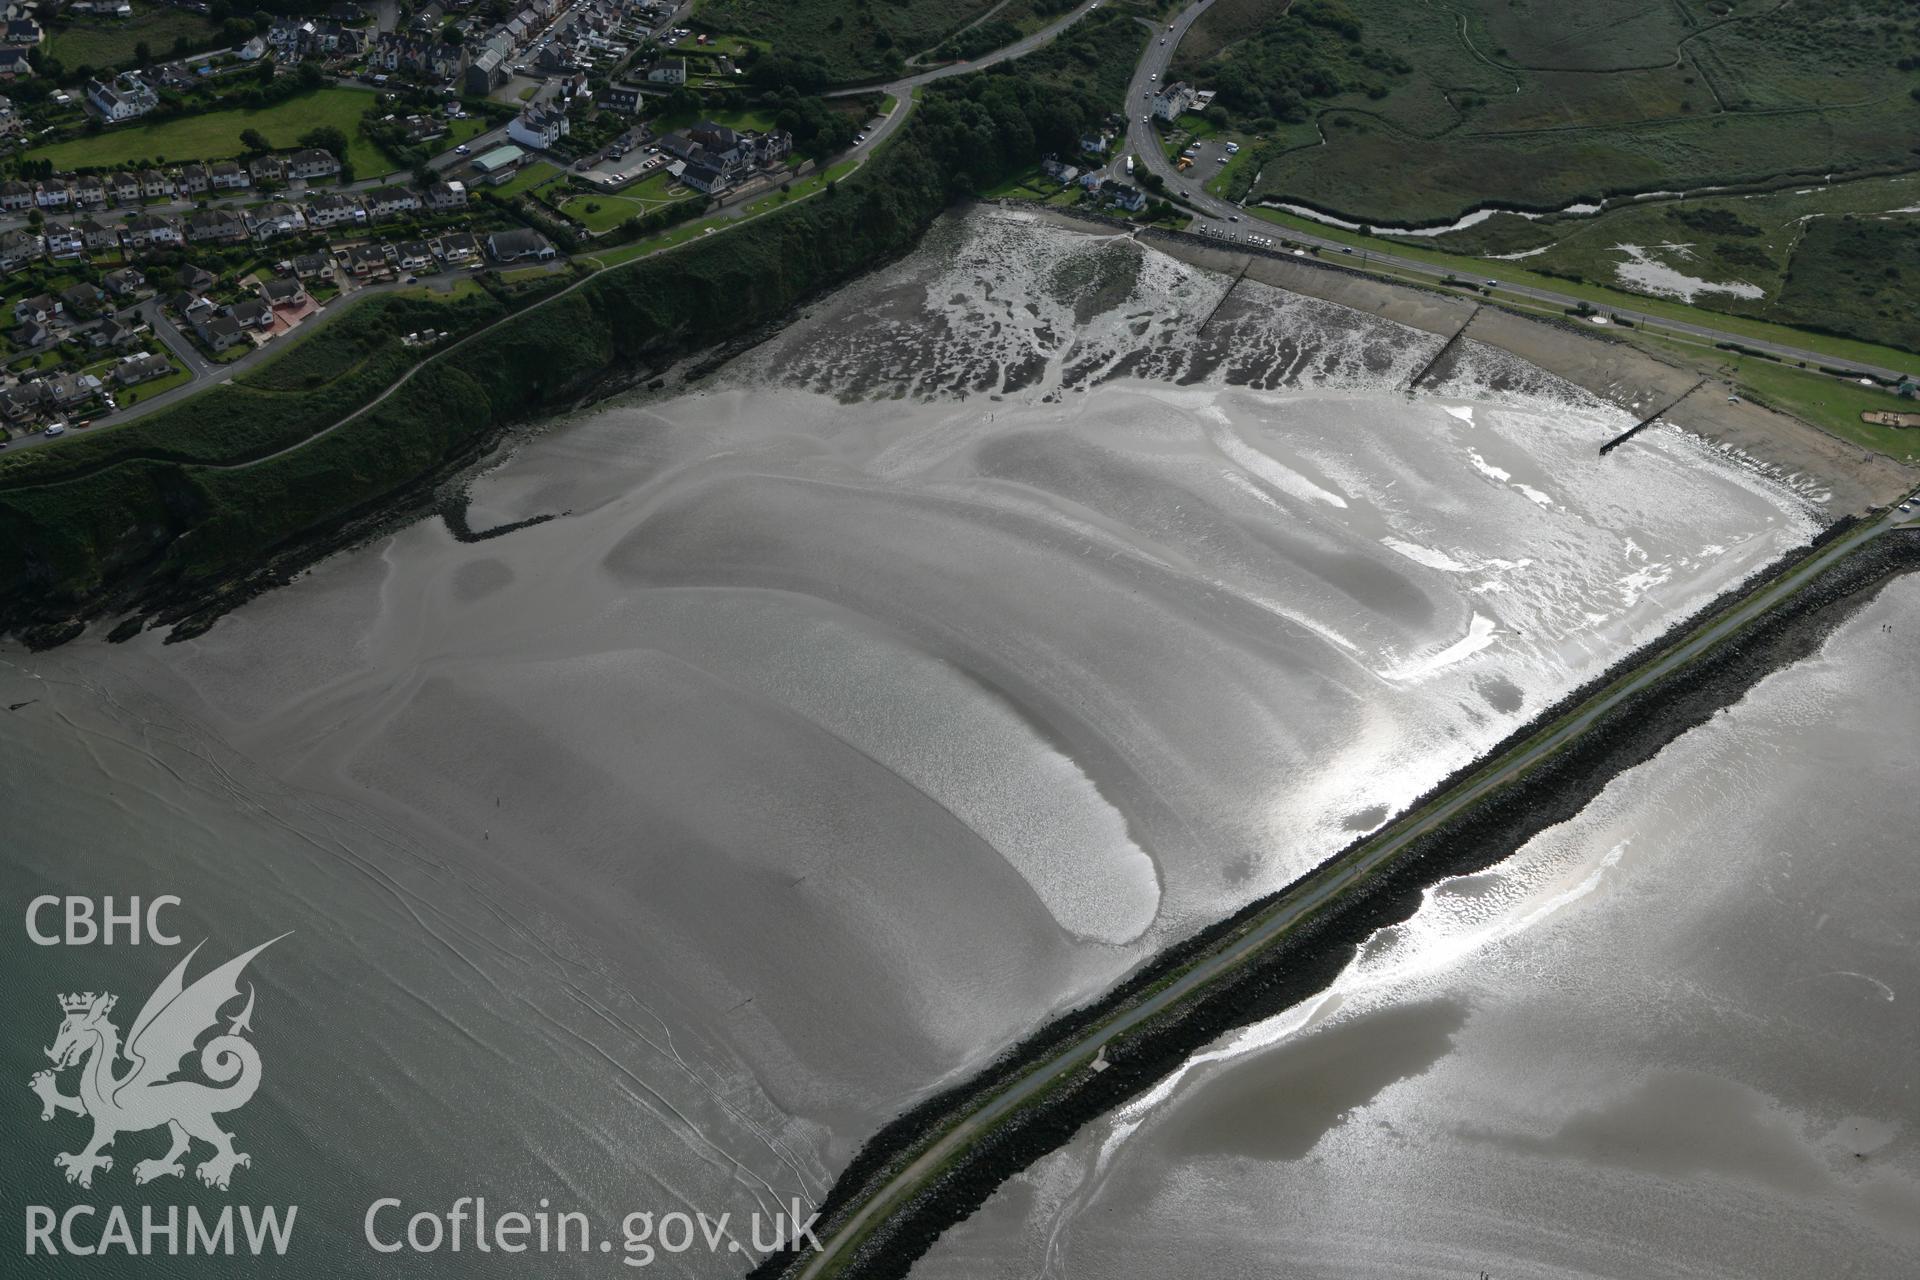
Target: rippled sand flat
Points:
(1022, 608)
(1672, 1037)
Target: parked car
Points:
(55, 430)
(463, 150)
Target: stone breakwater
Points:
(1309, 958)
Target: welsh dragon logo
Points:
(145, 1095)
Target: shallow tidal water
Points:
(1672, 1037)
(1026, 606)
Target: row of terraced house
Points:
(145, 234)
(134, 187)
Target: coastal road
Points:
(1229, 223)
(1318, 890)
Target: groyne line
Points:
(1244, 268)
(1413, 384)
(1649, 420)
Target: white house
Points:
(125, 97)
(539, 128)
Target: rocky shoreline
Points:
(1312, 956)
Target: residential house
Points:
(194, 180)
(125, 282)
(225, 175)
(22, 403)
(389, 202)
(414, 255)
(219, 332)
(623, 98)
(152, 231)
(196, 279)
(309, 265)
(18, 248)
(19, 29)
(1123, 195)
(366, 260)
(125, 187)
(517, 245)
(42, 308)
(215, 226)
(539, 127)
(155, 185)
(115, 331)
(668, 71)
(330, 209)
(456, 250)
(125, 97)
(271, 221)
(267, 169)
(141, 368)
(32, 334)
(52, 195)
(194, 309)
(283, 292)
(424, 128)
(15, 196)
(442, 196)
(97, 235)
(63, 242)
(312, 163)
(83, 300)
(89, 191)
(68, 390)
(252, 313)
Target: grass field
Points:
(216, 135)
(747, 120)
(1826, 402)
(109, 42)
(1424, 111)
(804, 187)
(529, 177)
